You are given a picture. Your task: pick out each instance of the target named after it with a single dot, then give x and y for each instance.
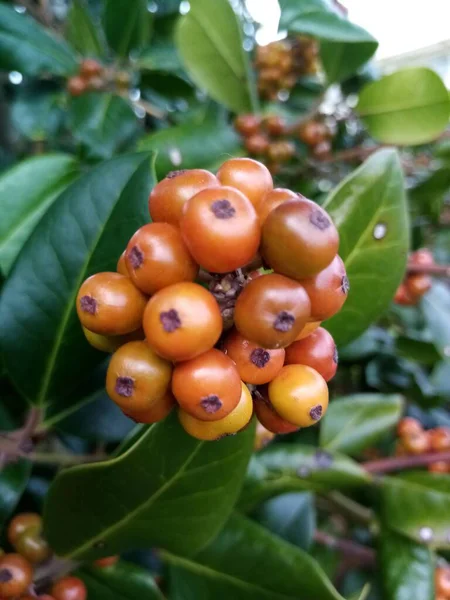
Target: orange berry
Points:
(269, 418)
(110, 343)
(21, 523)
(318, 351)
(308, 329)
(440, 466)
(109, 304)
(155, 413)
(403, 297)
(90, 68)
(257, 144)
(122, 265)
(439, 439)
(417, 443)
(249, 176)
(255, 365)
(313, 133)
(299, 394)
(76, 86)
(167, 200)
(422, 257)
(273, 199)
(247, 125)
(408, 426)
(182, 321)
(442, 581)
(274, 124)
(69, 588)
(16, 574)
(108, 561)
(234, 422)
(221, 229)
(327, 290)
(417, 285)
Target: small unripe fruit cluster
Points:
(280, 64)
(208, 323)
(89, 78)
(317, 136)
(413, 439)
(442, 582)
(415, 285)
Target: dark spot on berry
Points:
(136, 257)
(316, 412)
(211, 404)
(284, 321)
(173, 174)
(323, 459)
(124, 386)
(345, 284)
(260, 357)
(88, 304)
(335, 355)
(223, 209)
(319, 219)
(170, 320)
(5, 575)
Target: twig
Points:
(359, 554)
(358, 153)
(46, 458)
(349, 508)
(435, 270)
(398, 463)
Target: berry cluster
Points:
(415, 285)
(414, 439)
(192, 284)
(94, 77)
(317, 136)
(442, 582)
(31, 549)
(280, 64)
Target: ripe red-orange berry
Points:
(109, 304)
(416, 443)
(22, 523)
(273, 199)
(299, 394)
(274, 124)
(108, 561)
(137, 377)
(16, 574)
(422, 257)
(313, 133)
(155, 413)
(299, 239)
(76, 86)
(247, 125)
(234, 422)
(417, 285)
(403, 297)
(408, 426)
(168, 197)
(268, 417)
(271, 311)
(255, 365)
(257, 144)
(281, 151)
(156, 257)
(327, 290)
(308, 329)
(249, 176)
(207, 387)
(90, 68)
(32, 546)
(439, 439)
(122, 265)
(442, 581)
(441, 466)
(221, 229)
(69, 588)
(318, 351)
(110, 343)
(182, 321)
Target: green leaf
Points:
(160, 56)
(168, 490)
(409, 107)
(102, 122)
(435, 306)
(357, 422)
(81, 30)
(84, 232)
(294, 468)
(26, 192)
(123, 581)
(127, 25)
(344, 48)
(29, 48)
(37, 111)
(246, 562)
(417, 505)
(428, 196)
(407, 568)
(191, 145)
(370, 212)
(209, 42)
(417, 350)
(291, 516)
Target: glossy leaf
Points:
(407, 568)
(210, 44)
(246, 562)
(102, 122)
(344, 47)
(436, 310)
(417, 349)
(123, 581)
(292, 516)
(293, 468)
(369, 209)
(191, 145)
(84, 232)
(428, 196)
(81, 30)
(168, 490)
(127, 25)
(357, 422)
(411, 106)
(26, 192)
(37, 111)
(417, 505)
(29, 48)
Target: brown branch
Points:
(357, 553)
(435, 270)
(398, 463)
(358, 153)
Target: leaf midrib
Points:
(402, 108)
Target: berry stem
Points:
(349, 508)
(359, 554)
(435, 270)
(398, 463)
